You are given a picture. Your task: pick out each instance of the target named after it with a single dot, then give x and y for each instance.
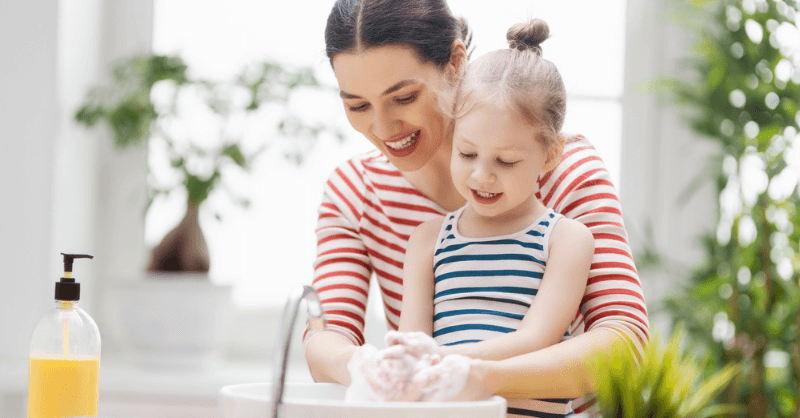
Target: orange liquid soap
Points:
(63, 387)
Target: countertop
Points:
(121, 378)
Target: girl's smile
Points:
(495, 164)
(485, 198)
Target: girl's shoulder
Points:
(572, 232)
(430, 228)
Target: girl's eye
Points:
(466, 156)
(407, 99)
(360, 108)
(506, 164)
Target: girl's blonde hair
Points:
(520, 79)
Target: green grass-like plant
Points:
(667, 383)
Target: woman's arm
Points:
(342, 273)
(580, 188)
(327, 354)
(556, 302)
(558, 371)
(418, 282)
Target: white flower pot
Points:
(171, 320)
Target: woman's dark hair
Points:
(426, 25)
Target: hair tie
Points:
(522, 46)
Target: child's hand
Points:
(443, 381)
(383, 375)
(416, 343)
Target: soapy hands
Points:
(412, 368)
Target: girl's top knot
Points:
(528, 36)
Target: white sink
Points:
(326, 400)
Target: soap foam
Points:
(411, 368)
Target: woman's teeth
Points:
(405, 143)
(486, 195)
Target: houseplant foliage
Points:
(668, 382)
(742, 306)
(129, 109)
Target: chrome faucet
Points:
(316, 322)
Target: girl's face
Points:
(388, 96)
(496, 162)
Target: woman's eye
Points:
(466, 156)
(407, 99)
(360, 108)
(506, 164)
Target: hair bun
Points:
(529, 35)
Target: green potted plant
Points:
(668, 382)
(176, 318)
(742, 304)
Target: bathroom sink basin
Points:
(326, 400)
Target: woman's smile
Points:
(404, 145)
(389, 96)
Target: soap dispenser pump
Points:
(64, 355)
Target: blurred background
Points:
(692, 105)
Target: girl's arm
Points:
(417, 312)
(556, 302)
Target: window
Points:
(269, 248)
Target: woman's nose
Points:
(384, 125)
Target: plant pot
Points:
(171, 319)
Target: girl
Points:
(505, 273)
(389, 56)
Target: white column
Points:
(100, 190)
(120, 197)
(660, 155)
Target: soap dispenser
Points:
(64, 355)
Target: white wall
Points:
(28, 134)
(660, 156)
(63, 189)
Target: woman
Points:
(392, 59)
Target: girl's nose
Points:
(482, 173)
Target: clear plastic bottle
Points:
(64, 356)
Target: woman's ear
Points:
(554, 154)
(458, 58)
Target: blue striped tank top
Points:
(484, 287)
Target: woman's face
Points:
(388, 96)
